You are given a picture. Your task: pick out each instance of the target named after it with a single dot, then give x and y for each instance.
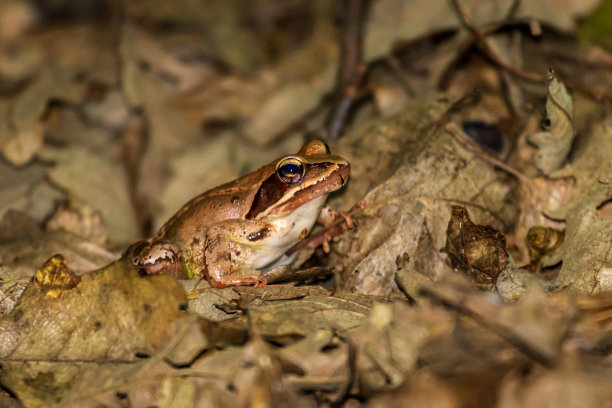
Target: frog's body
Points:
(227, 233)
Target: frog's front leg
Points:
(157, 257)
(327, 218)
(233, 251)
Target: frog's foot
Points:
(158, 258)
(327, 237)
(221, 282)
(347, 219)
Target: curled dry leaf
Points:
(555, 142)
(321, 362)
(542, 242)
(541, 204)
(476, 249)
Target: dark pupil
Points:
(290, 170)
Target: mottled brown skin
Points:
(226, 234)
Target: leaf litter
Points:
(478, 272)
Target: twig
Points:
(351, 70)
(396, 69)
(132, 146)
(530, 76)
(490, 316)
(454, 132)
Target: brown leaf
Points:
(388, 344)
(322, 363)
(305, 316)
(419, 390)
(527, 324)
(563, 387)
(109, 314)
(86, 174)
(414, 172)
(24, 246)
(477, 249)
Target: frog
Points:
(228, 234)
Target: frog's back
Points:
(204, 210)
(228, 201)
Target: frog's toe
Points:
(260, 281)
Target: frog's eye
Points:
(290, 170)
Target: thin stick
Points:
(454, 132)
(351, 67)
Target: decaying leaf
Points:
(405, 20)
(62, 320)
(79, 219)
(25, 189)
(22, 125)
(476, 249)
(11, 288)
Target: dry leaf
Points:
(555, 142)
(433, 173)
(62, 319)
(476, 249)
(86, 174)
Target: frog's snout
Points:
(343, 172)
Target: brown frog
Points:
(227, 234)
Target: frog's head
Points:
(299, 179)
